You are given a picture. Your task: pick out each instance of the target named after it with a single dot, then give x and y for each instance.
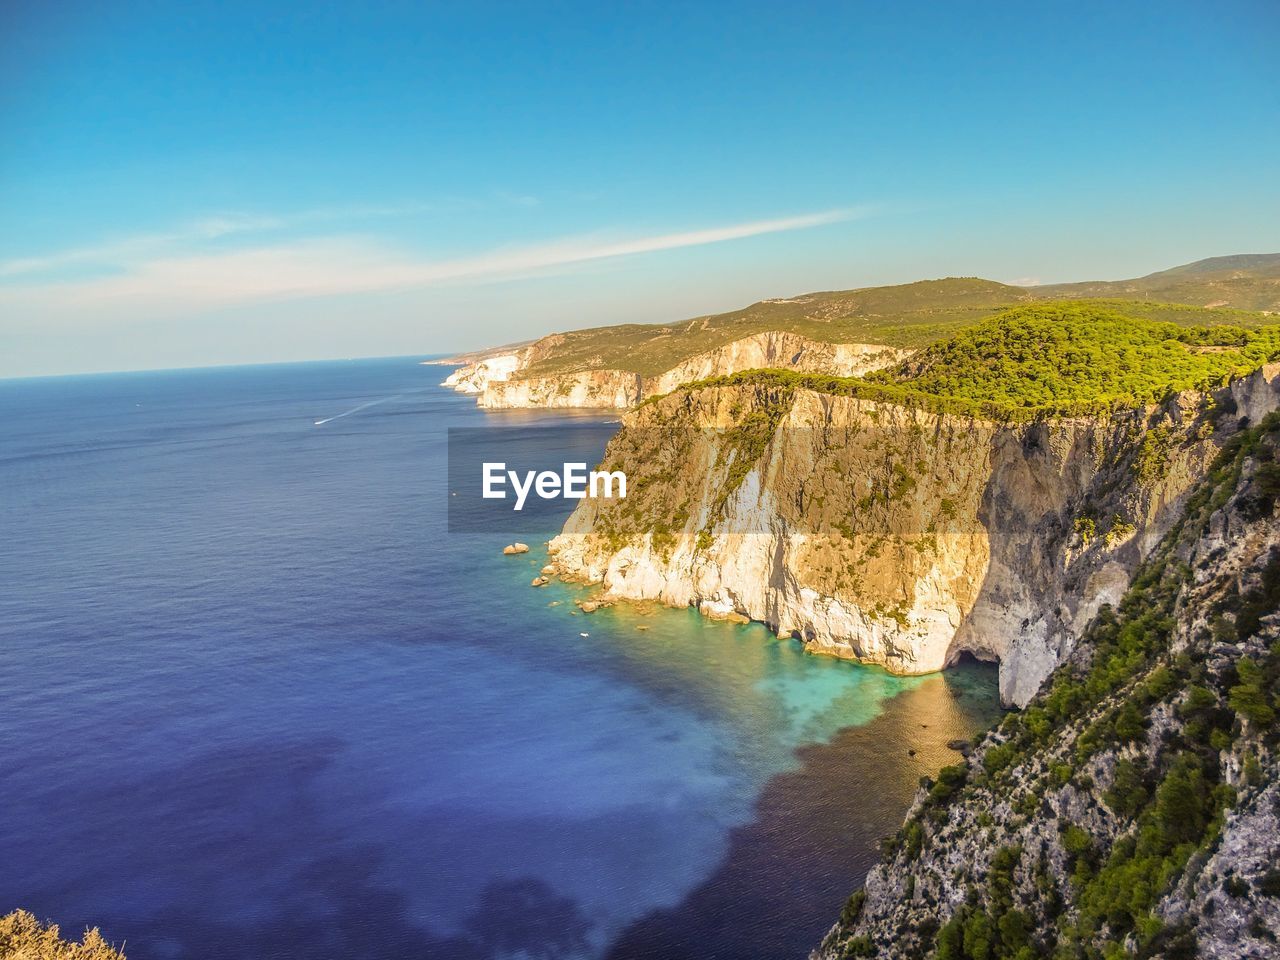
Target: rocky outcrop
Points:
(895, 535)
(510, 380)
(1131, 809)
(475, 377)
(778, 350)
(591, 389)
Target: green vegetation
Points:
(1176, 810)
(914, 315)
(909, 315)
(1072, 356)
(23, 937)
(1170, 799)
(1064, 359)
(995, 929)
(1244, 282)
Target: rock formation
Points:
(502, 381)
(1132, 808)
(892, 534)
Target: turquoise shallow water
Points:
(257, 701)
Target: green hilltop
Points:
(1236, 290)
(1247, 281)
(908, 315)
(1065, 355)
(1046, 360)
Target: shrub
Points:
(853, 908)
(1248, 698)
(24, 937)
(950, 779)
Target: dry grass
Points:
(23, 937)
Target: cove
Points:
(258, 701)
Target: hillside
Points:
(622, 365)
(1052, 359)
(1077, 356)
(986, 495)
(1131, 808)
(907, 315)
(1241, 282)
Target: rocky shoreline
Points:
(1011, 574)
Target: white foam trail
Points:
(363, 406)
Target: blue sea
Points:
(256, 701)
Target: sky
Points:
(198, 183)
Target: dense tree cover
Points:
(1070, 355)
(1050, 360)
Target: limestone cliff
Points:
(476, 376)
(893, 534)
(1133, 809)
(510, 380)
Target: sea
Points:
(257, 700)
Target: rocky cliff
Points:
(897, 534)
(503, 381)
(1133, 809)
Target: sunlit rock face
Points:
(893, 535)
(1157, 734)
(499, 381)
(476, 377)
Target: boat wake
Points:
(357, 409)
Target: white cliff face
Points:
(498, 383)
(872, 595)
(777, 350)
(890, 535)
(476, 377)
(613, 389)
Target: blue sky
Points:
(198, 183)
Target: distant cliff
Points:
(841, 332)
(501, 382)
(1133, 809)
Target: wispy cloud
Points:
(154, 274)
(118, 253)
(123, 250)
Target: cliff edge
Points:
(881, 522)
(1132, 808)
